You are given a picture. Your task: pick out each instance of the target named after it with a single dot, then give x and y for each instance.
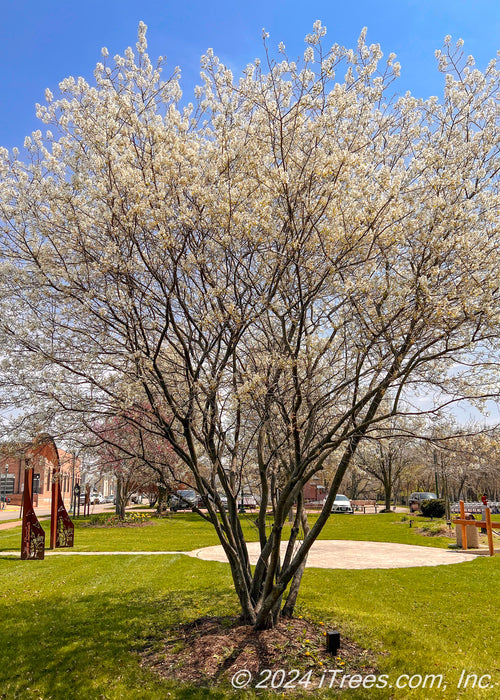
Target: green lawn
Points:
(383, 527)
(181, 532)
(187, 531)
(73, 627)
(427, 620)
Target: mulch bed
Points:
(210, 651)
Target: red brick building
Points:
(13, 465)
(315, 490)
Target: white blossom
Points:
(265, 275)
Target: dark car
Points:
(416, 499)
(185, 499)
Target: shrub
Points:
(113, 520)
(433, 508)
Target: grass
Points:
(187, 531)
(74, 627)
(384, 527)
(429, 620)
(178, 533)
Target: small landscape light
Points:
(332, 641)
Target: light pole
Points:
(72, 506)
(4, 500)
(436, 472)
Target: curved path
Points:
(353, 554)
(324, 554)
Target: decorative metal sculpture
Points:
(33, 536)
(62, 530)
(61, 526)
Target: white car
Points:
(342, 504)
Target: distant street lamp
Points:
(72, 505)
(436, 472)
(4, 499)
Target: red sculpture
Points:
(33, 536)
(61, 527)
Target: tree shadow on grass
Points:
(87, 644)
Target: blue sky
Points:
(43, 41)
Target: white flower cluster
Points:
(274, 255)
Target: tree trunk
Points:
(388, 494)
(289, 607)
(120, 498)
(162, 493)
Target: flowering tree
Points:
(275, 268)
(389, 453)
(137, 460)
(464, 459)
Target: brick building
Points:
(13, 465)
(315, 490)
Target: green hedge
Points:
(433, 508)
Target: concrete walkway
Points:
(324, 554)
(352, 554)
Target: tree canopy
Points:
(272, 271)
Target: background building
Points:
(13, 466)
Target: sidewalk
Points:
(42, 513)
(18, 521)
(324, 554)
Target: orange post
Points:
(486, 523)
(464, 528)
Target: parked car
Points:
(185, 499)
(223, 499)
(342, 504)
(204, 500)
(96, 498)
(248, 501)
(415, 500)
(83, 496)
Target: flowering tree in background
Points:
(389, 453)
(277, 269)
(137, 460)
(465, 460)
